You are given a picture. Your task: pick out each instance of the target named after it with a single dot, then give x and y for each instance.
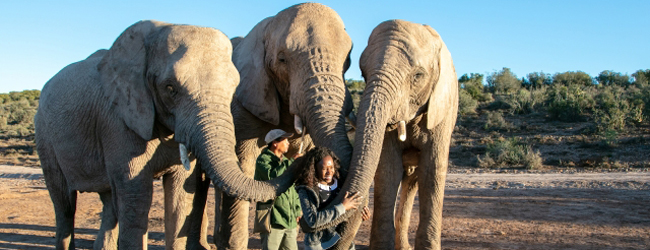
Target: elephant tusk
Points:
(184, 156)
(352, 118)
(297, 124)
(401, 130)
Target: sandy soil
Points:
(482, 211)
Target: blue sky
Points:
(41, 37)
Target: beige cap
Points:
(275, 134)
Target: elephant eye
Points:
(418, 76)
(281, 58)
(170, 90)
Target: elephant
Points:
(292, 69)
(405, 119)
(153, 105)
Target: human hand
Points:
(296, 156)
(365, 213)
(351, 201)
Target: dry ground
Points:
(481, 211)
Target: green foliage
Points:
(537, 80)
(573, 78)
(615, 108)
(495, 121)
(608, 78)
(356, 88)
(510, 153)
(523, 101)
(569, 103)
(641, 77)
(503, 82)
(473, 84)
(17, 112)
(466, 104)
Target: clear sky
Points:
(40, 37)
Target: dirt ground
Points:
(482, 210)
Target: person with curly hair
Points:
(317, 186)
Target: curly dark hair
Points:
(307, 173)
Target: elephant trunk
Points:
(325, 116)
(211, 138)
(375, 111)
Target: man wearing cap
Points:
(285, 211)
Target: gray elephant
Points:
(292, 69)
(120, 118)
(405, 119)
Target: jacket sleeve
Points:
(313, 218)
(262, 169)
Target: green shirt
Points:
(286, 208)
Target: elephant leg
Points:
(432, 170)
(185, 201)
(409, 188)
(233, 230)
(63, 199)
(133, 201)
(387, 181)
(108, 231)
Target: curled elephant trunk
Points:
(326, 117)
(212, 141)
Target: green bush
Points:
(503, 82)
(616, 107)
(473, 84)
(523, 101)
(569, 103)
(17, 112)
(495, 121)
(573, 78)
(466, 104)
(356, 88)
(510, 153)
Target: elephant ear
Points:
(122, 72)
(256, 91)
(444, 97)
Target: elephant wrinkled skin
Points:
(404, 124)
(292, 69)
(114, 121)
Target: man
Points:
(285, 211)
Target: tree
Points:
(503, 82)
(536, 80)
(641, 77)
(570, 77)
(473, 85)
(609, 78)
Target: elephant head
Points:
(165, 79)
(292, 67)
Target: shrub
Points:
(612, 109)
(466, 104)
(569, 103)
(573, 78)
(510, 152)
(523, 101)
(503, 82)
(473, 84)
(495, 121)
